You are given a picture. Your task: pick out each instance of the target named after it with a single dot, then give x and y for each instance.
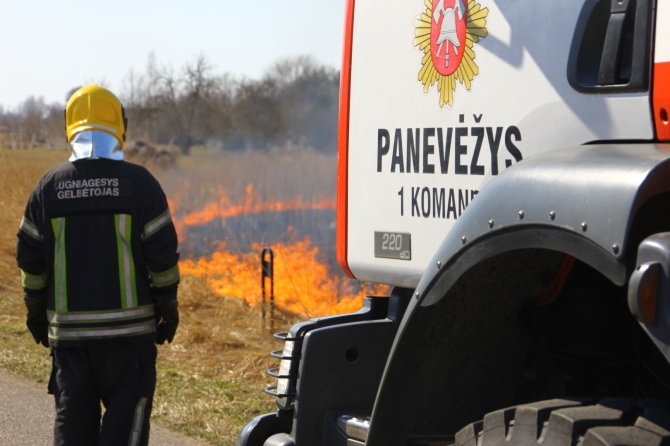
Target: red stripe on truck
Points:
(343, 142)
(661, 100)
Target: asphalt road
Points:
(26, 417)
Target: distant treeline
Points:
(294, 104)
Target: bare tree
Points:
(183, 99)
(257, 119)
(309, 99)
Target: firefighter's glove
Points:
(167, 319)
(37, 319)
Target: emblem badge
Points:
(446, 33)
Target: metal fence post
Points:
(267, 272)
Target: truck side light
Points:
(643, 292)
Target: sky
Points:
(48, 47)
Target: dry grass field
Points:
(211, 376)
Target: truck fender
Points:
(459, 348)
(580, 201)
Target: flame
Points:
(250, 205)
(303, 283)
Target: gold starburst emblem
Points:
(446, 32)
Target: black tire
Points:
(573, 422)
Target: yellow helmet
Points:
(95, 108)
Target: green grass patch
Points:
(20, 354)
(204, 406)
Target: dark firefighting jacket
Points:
(98, 243)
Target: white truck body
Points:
(520, 103)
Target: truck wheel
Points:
(573, 422)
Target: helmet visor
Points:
(95, 144)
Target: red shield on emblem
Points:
(447, 34)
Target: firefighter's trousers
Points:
(121, 377)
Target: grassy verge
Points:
(207, 407)
(19, 353)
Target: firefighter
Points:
(98, 256)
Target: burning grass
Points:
(262, 213)
(210, 378)
(303, 284)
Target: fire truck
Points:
(505, 166)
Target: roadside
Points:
(27, 412)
